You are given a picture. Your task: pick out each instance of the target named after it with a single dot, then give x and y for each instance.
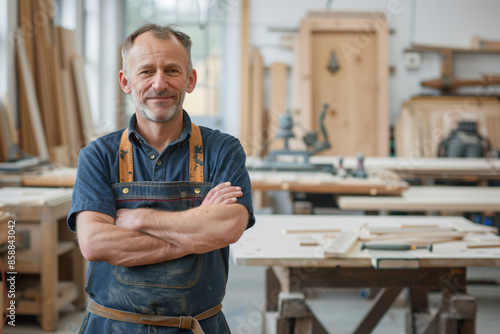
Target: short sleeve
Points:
(231, 167)
(92, 189)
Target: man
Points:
(156, 205)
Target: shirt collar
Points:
(136, 138)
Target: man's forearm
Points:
(197, 230)
(121, 246)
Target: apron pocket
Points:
(181, 273)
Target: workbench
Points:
(444, 199)
(379, 183)
(427, 170)
(52, 267)
(40, 177)
(294, 269)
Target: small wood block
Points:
(462, 306)
(307, 240)
(340, 245)
(292, 305)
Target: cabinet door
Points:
(350, 92)
(357, 92)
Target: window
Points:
(204, 23)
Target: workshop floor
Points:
(339, 310)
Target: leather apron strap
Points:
(191, 323)
(126, 162)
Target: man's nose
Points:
(160, 81)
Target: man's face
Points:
(157, 77)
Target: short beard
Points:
(150, 116)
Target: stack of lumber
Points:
(335, 243)
(425, 121)
(54, 113)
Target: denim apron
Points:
(183, 287)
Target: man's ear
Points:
(124, 83)
(191, 81)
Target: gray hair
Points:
(161, 32)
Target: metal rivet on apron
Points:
(152, 156)
(197, 190)
(158, 162)
(125, 190)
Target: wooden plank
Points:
(11, 129)
(277, 103)
(32, 99)
(340, 245)
(67, 48)
(259, 125)
(385, 298)
(58, 96)
(60, 177)
(60, 152)
(75, 140)
(5, 139)
(42, 75)
(85, 112)
(245, 74)
(484, 245)
(328, 230)
(27, 138)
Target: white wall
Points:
(439, 22)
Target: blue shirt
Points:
(98, 167)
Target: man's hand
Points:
(213, 225)
(223, 193)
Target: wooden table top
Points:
(429, 198)
(265, 244)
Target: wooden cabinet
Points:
(426, 120)
(356, 91)
(52, 268)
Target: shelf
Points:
(432, 48)
(28, 264)
(66, 293)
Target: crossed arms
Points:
(147, 236)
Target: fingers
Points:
(216, 189)
(227, 195)
(223, 193)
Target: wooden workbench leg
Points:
(460, 316)
(381, 304)
(418, 316)
(295, 317)
(49, 272)
(273, 289)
